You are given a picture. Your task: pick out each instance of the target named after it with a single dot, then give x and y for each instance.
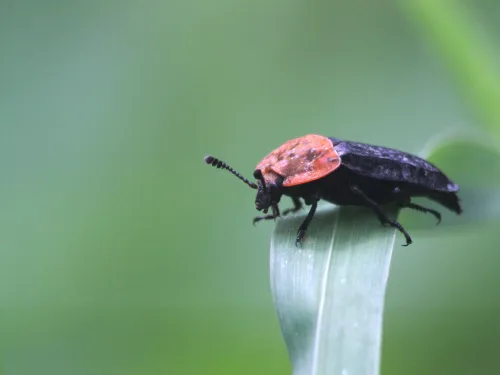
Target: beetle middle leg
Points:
(297, 206)
(381, 215)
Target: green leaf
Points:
(329, 294)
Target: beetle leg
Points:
(417, 207)
(303, 227)
(297, 206)
(381, 215)
(273, 216)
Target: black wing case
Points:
(391, 165)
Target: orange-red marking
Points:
(300, 160)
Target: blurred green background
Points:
(122, 253)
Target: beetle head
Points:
(268, 194)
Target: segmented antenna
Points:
(220, 164)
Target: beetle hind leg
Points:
(384, 220)
(425, 210)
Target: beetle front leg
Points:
(273, 216)
(381, 215)
(305, 224)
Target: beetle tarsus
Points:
(417, 207)
(399, 227)
(300, 236)
(260, 218)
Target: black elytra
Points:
(314, 168)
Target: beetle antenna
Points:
(220, 164)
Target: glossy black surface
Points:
(392, 165)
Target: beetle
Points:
(314, 167)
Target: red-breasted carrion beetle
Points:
(315, 167)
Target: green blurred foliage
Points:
(122, 253)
